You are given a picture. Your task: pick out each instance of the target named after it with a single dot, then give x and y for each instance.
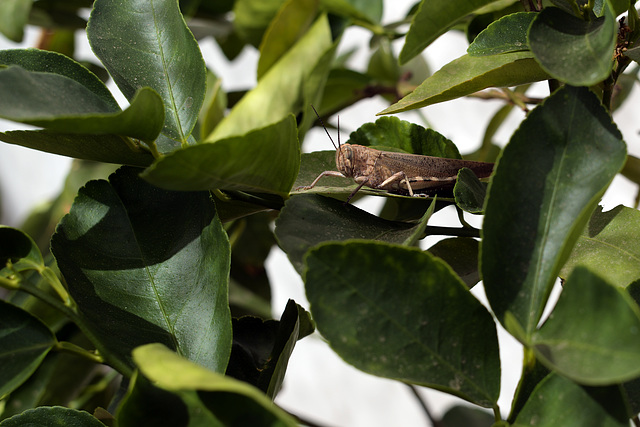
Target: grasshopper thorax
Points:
(345, 159)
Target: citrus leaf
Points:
(242, 163)
(573, 50)
(52, 416)
(147, 43)
(609, 246)
(14, 15)
(400, 313)
(161, 277)
(469, 74)
(545, 186)
(600, 348)
(507, 34)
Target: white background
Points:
(319, 385)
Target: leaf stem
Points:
(452, 231)
(68, 347)
(423, 405)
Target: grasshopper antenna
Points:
(326, 131)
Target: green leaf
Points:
(52, 416)
(25, 341)
(293, 19)
(469, 191)
(150, 262)
(465, 416)
(573, 50)
(545, 186)
(58, 103)
(391, 132)
(433, 19)
(343, 88)
(14, 15)
(326, 219)
(252, 17)
(400, 313)
(557, 401)
(507, 34)
(19, 249)
(369, 11)
(214, 105)
(148, 44)
(232, 401)
(242, 163)
(461, 253)
(284, 81)
(99, 148)
(592, 334)
(45, 61)
(609, 246)
(469, 74)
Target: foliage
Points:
(151, 304)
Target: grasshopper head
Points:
(345, 160)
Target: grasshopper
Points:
(399, 173)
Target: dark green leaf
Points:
(469, 191)
(609, 246)
(461, 253)
(433, 19)
(592, 334)
(289, 25)
(633, 53)
(325, 219)
(58, 103)
(20, 249)
(148, 44)
(25, 341)
(557, 401)
(469, 74)
(459, 416)
(400, 313)
(13, 18)
(244, 163)
(52, 416)
(99, 148)
(507, 34)
(343, 88)
(391, 132)
(544, 189)
(533, 372)
(150, 262)
(51, 62)
(232, 401)
(573, 50)
(284, 81)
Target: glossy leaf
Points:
(507, 34)
(244, 163)
(403, 314)
(147, 43)
(461, 253)
(557, 401)
(58, 103)
(469, 191)
(433, 19)
(391, 132)
(99, 148)
(326, 219)
(14, 15)
(52, 416)
(572, 50)
(469, 74)
(232, 401)
(293, 19)
(25, 341)
(592, 334)
(161, 277)
(45, 61)
(283, 81)
(609, 246)
(545, 186)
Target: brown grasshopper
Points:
(400, 173)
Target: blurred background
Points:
(319, 385)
